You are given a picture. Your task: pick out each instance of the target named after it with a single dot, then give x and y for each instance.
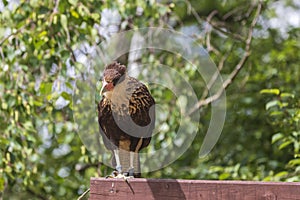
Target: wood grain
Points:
(169, 189)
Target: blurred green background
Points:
(44, 45)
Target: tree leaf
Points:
(224, 176)
(277, 137)
(270, 91)
(46, 88)
(285, 144)
(64, 21)
(290, 95)
(73, 2)
(272, 104)
(2, 182)
(281, 174)
(294, 162)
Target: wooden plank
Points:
(173, 189)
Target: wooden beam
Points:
(169, 189)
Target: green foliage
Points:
(284, 116)
(42, 156)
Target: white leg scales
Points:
(131, 165)
(118, 163)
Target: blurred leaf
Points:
(285, 144)
(73, 2)
(281, 174)
(294, 162)
(270, 91)
(2, 182)
(46, 88)
(64, 21)
(276, 113)
(272, 104)
(61, 102)
(284, 94)
(224, 176)
(276, 137)
(74, 14)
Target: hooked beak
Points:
(106, 86)
(103, 89)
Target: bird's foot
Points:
(115, 173)
(129, 174)
(119, 174)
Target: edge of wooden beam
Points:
(141, 188)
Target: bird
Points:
(126, 117)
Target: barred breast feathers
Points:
(128, 96)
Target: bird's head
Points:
(113, 74)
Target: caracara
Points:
(126, 116)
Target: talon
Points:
(125, 175)
(114, 174)
(110, 176)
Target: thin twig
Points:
(194, 12)
(232, 12)
(83, 194)
(209, 46)
(215, 76)
(235, 36)
(213, 24)
(84, 167)
(1, 53)
(12, 34)
(32, 192)
(73, 57)
(54, 12)
(130, 187)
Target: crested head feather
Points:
(116, 66)
(113, 72)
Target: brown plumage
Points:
(126, 116)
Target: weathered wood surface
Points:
(169, 189)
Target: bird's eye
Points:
(115, 81)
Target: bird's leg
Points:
(117, 157)
(118, 173)
(118, 170)
(131, 165)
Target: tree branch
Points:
(215, 76)
(209, 46)
(32, 192)
(13, 34)
(81, 168)
(54, 12)
(238, 67)
(223, 31)
(83, 194)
